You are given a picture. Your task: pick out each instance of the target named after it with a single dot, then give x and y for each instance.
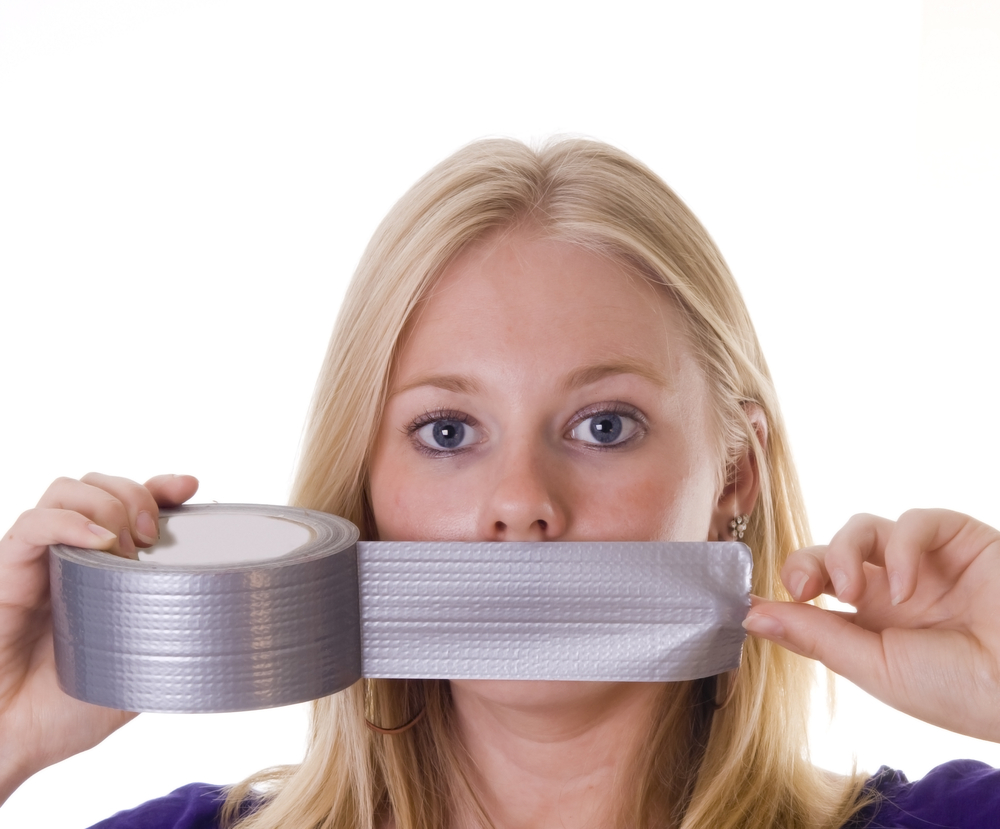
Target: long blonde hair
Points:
(745, 765)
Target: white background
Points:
(186, 187)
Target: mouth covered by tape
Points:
(241, 607)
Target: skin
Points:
(926, 635)
(39, 724)
(525, 340)
(516, 319)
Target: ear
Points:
(742, 484)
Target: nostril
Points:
(543, 524)
(500, 526)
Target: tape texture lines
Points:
(142, 636)
(627, 611)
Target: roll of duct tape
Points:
(244, 606)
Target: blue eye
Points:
(605, 429)
(446, 434)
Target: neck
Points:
(552, 754)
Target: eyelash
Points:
(615, 407)
(432, 417)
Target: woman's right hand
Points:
(39, 724)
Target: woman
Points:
(547, 345)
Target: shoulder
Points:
(962, 794)
(195, 806)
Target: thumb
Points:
(172, 490)
(828, 636)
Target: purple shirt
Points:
(962, 794)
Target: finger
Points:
(22, 584)
(827, 636)
(38, 528)
(758, 602)
(172, 490)
(918, 532)
(861, 539)
(140, 507)
(99, 505)
(804, 574)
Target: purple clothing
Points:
(194, 806)
(962, 794)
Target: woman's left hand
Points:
(926, 635)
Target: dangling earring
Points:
(739, 525)
(370, 714)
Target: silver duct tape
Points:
(142, 636)
(625, 611)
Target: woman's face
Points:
(544, 392)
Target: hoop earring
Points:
(727, 681)
(399, 729)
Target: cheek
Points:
(685, 513)
(387, 482)
(410, 504)
(666, 494)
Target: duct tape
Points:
(239, 607)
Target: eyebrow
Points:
(584, 376)
(591, 374)
(458, 383)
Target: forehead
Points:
(529, 304)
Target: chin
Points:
(535, 694)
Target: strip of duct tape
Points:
(315, 616)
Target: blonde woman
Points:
(547, 345)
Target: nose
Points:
(527, 501)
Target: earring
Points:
(739, 525)
(370, 713)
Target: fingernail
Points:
(764, 625)
(839, 579)
(145, 527)
(799, 582)
(104, 534)
(895, 588)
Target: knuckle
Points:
(38, 522)
(140, 491)
(808, 560)
(140, 498)
(60, 484)
(111, 512)
(23, 520)
(841, 550)
(861, 520)
(913, 517)
(132, 496)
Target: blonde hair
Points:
(743, 766)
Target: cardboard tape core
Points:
(243, 606)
